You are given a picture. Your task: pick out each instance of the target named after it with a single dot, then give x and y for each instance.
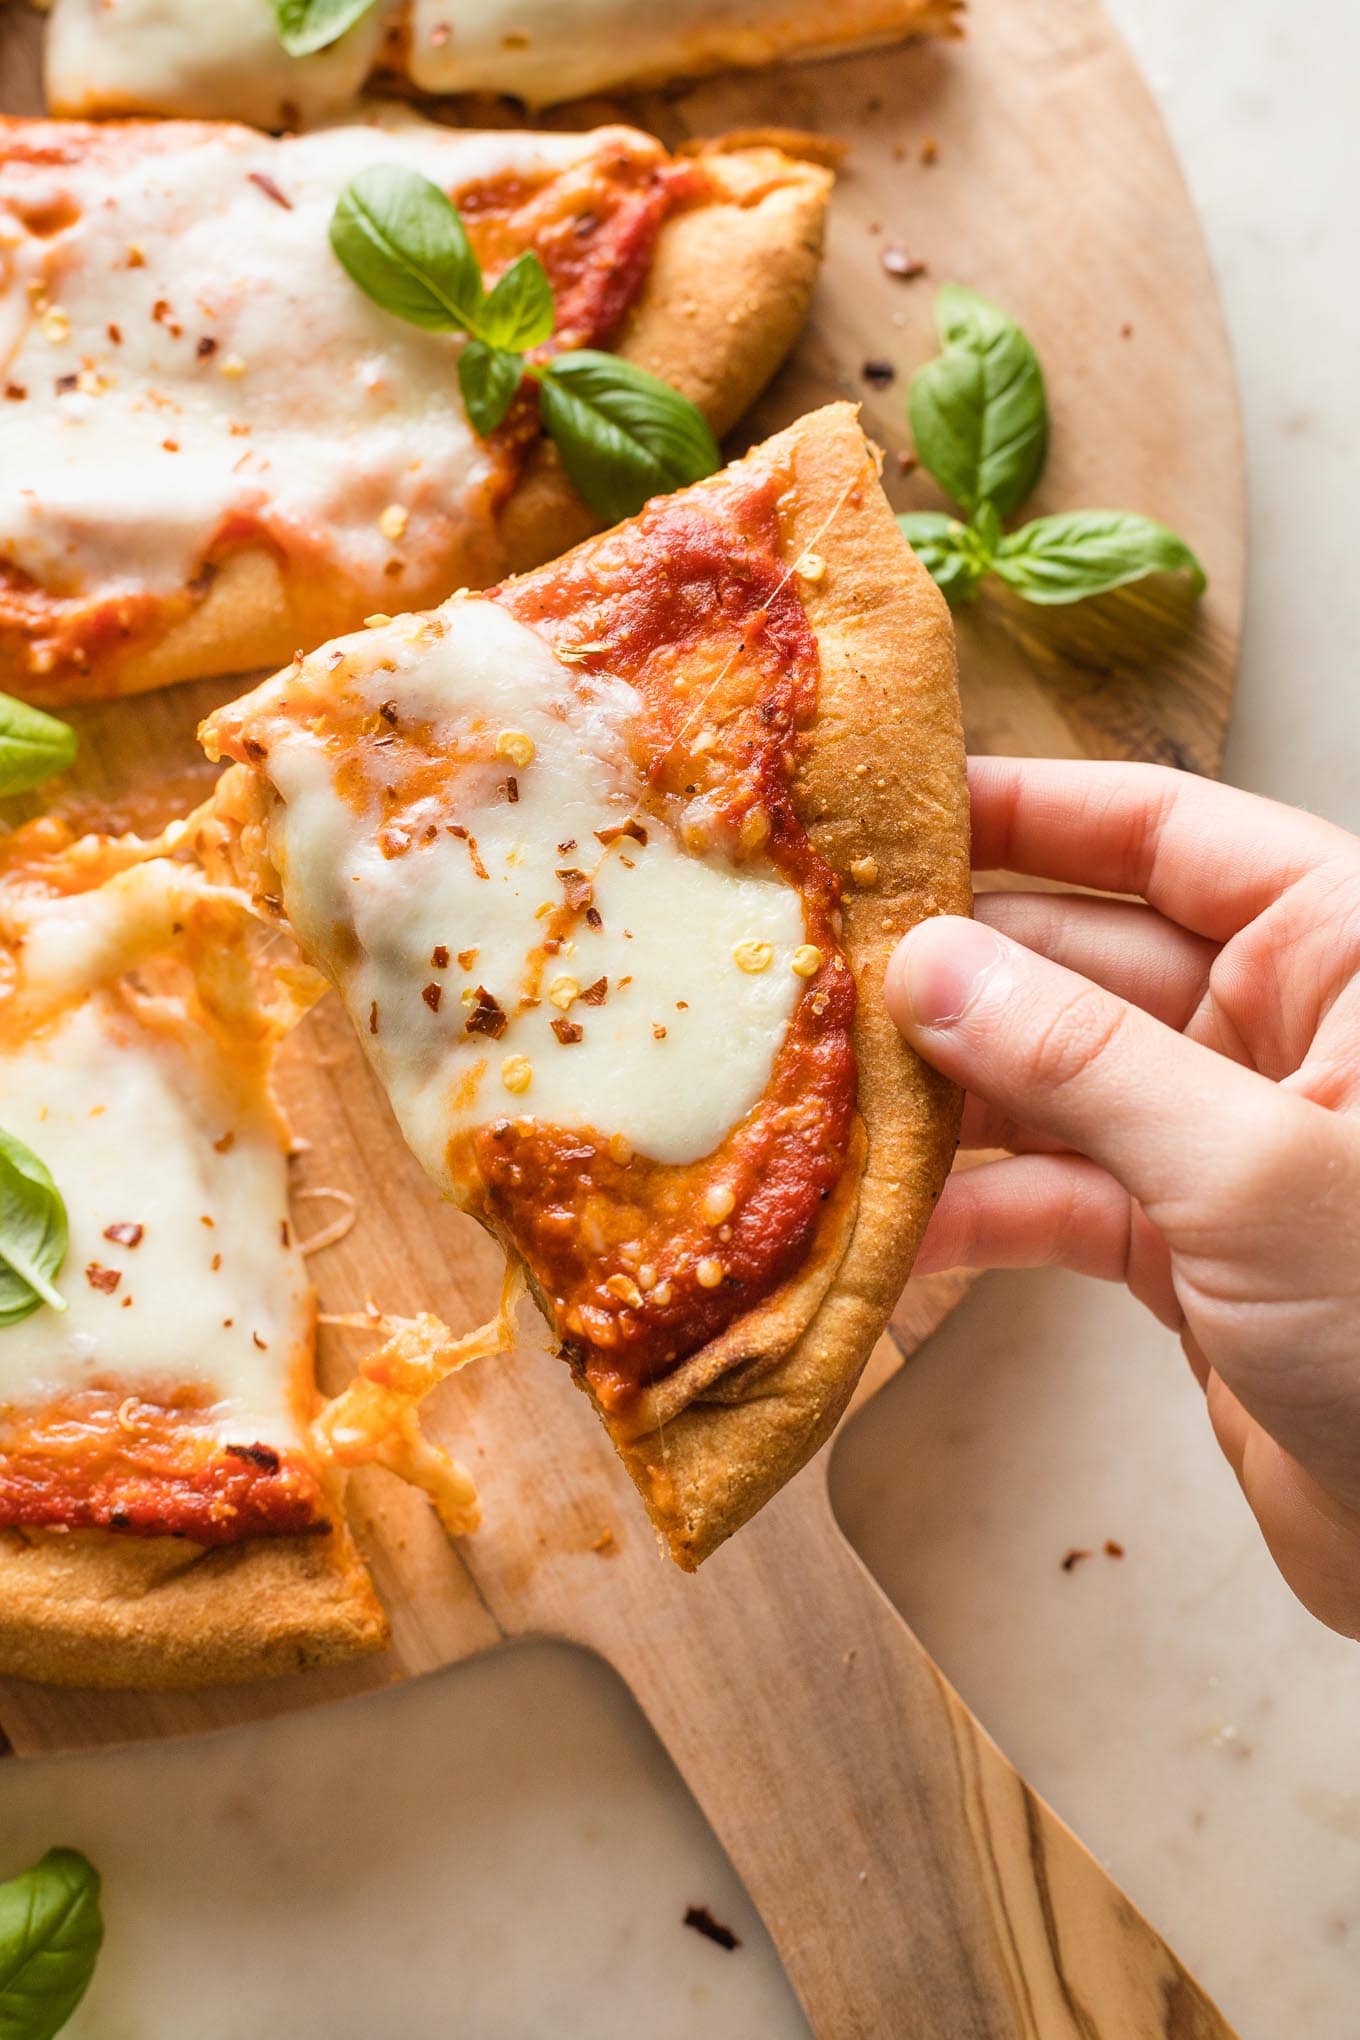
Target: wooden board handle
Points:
(911, 1880)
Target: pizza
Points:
(606, 865)
(170, 1482)
(179, 57)
(214, 447)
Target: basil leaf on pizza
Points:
(33, 746)
(488, 378)
(306, 26)
(404, 243)
(33, 1233)
(518, 312)
(623, 435)
(51, 1929)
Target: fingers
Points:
(1084, 1069)
(1042, 1211)
(1207, 856)
(1133, 951)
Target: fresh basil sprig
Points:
(32, 746)
(33, 1235)
(50, 1934)
(305, 26)
(623, 435)
(979, 415)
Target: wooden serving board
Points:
(913, 1883)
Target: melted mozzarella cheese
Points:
(542, 51)
(187, 57)
(684, 1045)
(131, 1124)
(202, 357)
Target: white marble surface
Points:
(504, 1852)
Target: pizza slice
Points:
(606, 866)
(214, 447)
(178, 57)
(170, 1502)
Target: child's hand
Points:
(1180, 1085)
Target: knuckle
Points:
(1072, 1039)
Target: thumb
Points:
(1059, 1054)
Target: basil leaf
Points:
(979, 414)
(623, 435)
(947, 549)
(488, 378)
(305, 26)
(1087, 552)
(32, 746)
(32, 1232)
(518, 311)
(50, 1934)
(405, 244)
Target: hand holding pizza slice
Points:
(606, 866)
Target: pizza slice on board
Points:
(606, 866)
(170, 1499)
(227, 61)
(215, 448)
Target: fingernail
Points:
(939, 970)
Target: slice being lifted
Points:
(169, 1503)
(214, 447)
(227, 60)
(606, 866)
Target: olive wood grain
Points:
(913, 1884)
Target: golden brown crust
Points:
(92, 1608)
(724, 300)
(883, 781)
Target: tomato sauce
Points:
(645, 1262)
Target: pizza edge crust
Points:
(884, 778)
(724, 300)
(94, 1608)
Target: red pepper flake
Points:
(432, 994)
(106, 1279)
(207, 347)
(270, 188)
(702, 1921)
(285, 1237)
(225, 1142)
(160, 312)
(487, 1016)
(127, 1303)
(439, 957)
(457, 829)
(512, 789)
(170, 445)
(576, 887)
(565, 849)
(658, 1031)
(1113, 1548)
(1074, 1559)
(595, 919)
(632, 827)
(897, 262)
(594, 995)
(466, 958)
(15, 392)
(879, 373)
(205, 1220)
(65, 384)
(115, 332)
(373, 1017)
(125, 1233)
(215, 1263)
(256, 1340)
(567, 1031)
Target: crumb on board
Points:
(702, 1921)
(1073, 1558)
